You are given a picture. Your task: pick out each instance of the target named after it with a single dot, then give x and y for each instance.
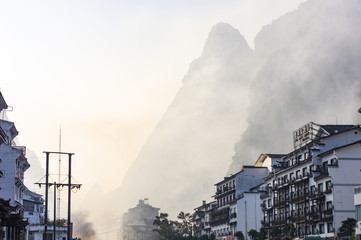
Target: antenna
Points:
(59, 174)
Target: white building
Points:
(249, 213)
(34, 213)
(13, 164)
(233, 193)
(138, 222)
(357, 199)
(312, 187)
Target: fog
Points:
(309, 70)
(147, 121)
(305, 67)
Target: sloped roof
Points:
(3, 104)
(334, 129)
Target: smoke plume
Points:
(82, 227)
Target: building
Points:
(312, 187)
(201, 219)
(232, 194)
(13, 164)
(357, 199)
(138, 222)
(34, 213)
(249, 213)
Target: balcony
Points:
(265, 224)
(328, 191)
(263, 206)
(316, 217)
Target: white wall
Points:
(249, 213)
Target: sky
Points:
(105, 71)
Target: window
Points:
(292, 176)
(269, 203)
(330, 227)
(328, 186)
(306, 155)
(304, 171)
(313, 190)
(325, 166)
(298, 174)
(334, 162)
(285, 179)
(314, 230)
(330, 206)
(312, 168)
(358, 212)
(320, 187)
(293, 161)
(322, 228)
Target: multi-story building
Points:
(357, 199)
(34, 213)
(232, 194)
(13, 164)
(249, 213)
(202, 219)
(312, 187)
(138, 222)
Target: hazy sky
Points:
(106, 71)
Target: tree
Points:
(262, 234)
(253, 234)
(290, 230)
(212, 237)
(275, 232)
(204, 237)
(174, 230)
(185, 226)
(347, 227)
(239, 235)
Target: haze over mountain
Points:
(309, 70)
(195, 137)
(305, 67)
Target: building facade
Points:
(13, 164)
(311, 188)
(138, 222)
(232, 195)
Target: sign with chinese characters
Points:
(304, 135)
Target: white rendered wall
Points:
(249, 213)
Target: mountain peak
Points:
(224, 41)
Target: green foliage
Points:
(255, 235)
(204, 237)
(59, 223)
(290, 230)
(212, 237)
(275, 232)
(347, 227)
(174, 230)
(239, 235)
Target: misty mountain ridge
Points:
(305, 67)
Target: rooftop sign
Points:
(305, 134)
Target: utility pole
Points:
(47, 185)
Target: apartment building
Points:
(312, 187)
(232, 194)
(138, 222)
(13, 164)
(202, 219)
